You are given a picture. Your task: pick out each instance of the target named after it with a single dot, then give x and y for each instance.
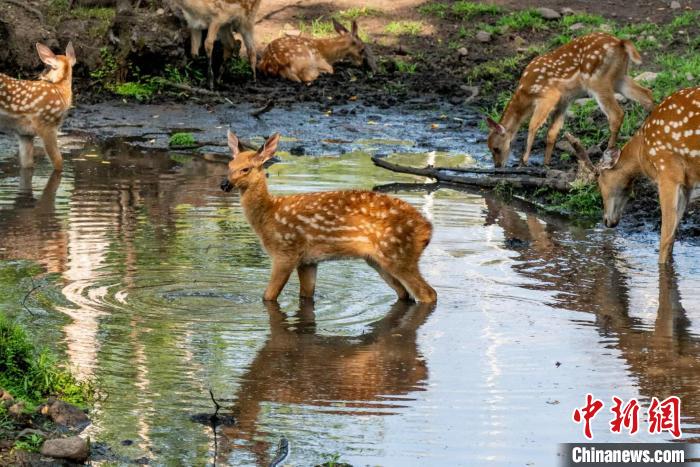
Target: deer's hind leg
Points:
(632, 90)
(26, 151)
(394, 283)
(307, 279)
(50, 139)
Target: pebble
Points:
(548, 13)
(483, 36)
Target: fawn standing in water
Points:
(37, 108)
(299, 231)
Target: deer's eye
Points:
(245, 170)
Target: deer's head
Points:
(613, 175)
(246, 167)
(499, 142)
(355, 49)
(59, 67)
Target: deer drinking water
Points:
(37, 108)
(303, 59)
(299, 231)
(666, 149)
(594, 64)
(221, 18)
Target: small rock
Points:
(519, 41)
(566, 11)
(462, 51)
(548, 13)
(160, 11)
(74, 448)
(583, 101)
(675, 5)
(606, 27)
(565, 146)
(6, 396)
(297, 150)
(63, 413)
(16, 411)
(689, 77)
(648, 76)
(293, 32)
(576, 26)
(483, 36)
(620, 98)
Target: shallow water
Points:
(162, 280)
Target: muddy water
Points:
(161, 278)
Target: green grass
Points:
(180, 140)
(470, 10)
(583, 201)
(406, 67)
(31, 443)
(31, 374)
(584, 18)
(434, 9)
(319, 27)
(522, 20)
(404, 28)
(136, 89)
(352, 14)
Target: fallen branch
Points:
(191, 89)
(266, 108)
(26, 296)
(488, 178)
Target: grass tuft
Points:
(404, 28)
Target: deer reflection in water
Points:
(665, 359)
(299, 366)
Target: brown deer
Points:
(666, 149)
(221, 18)
(37, 108)
(303, 59)
(595, 64)
(299, 231)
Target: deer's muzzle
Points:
(226, 185)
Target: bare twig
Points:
(191, 89)
(580, 151)
(26, 296)
(216, 404)
(266, 108)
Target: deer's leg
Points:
(309, 74)
(249, 41)
(307, 279)
(281, 270)
(212, 34)
(400, 290)
(50, 139)
(632, 90)
(542, 110)
(612, 110)
(674, 199)
(26, 151)
(195, 41)
(553, 132)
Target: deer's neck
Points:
(517, 110)
(64, 88)
(257, 203)
(632, 163)
(333, 49)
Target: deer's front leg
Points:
(26, 151)
(307, 279)
(281, 270)
(674, 199)
(542, 110)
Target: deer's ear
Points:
(70, 53)
(46, 55)
(354, 28)
(267, 150)
(610, 158)
(233, 144)
(339, 28)
(494, 125)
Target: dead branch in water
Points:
(26, 296)
(520, 177)
(264, 109)
(191, 89)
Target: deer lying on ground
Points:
(221, 18)
(303, 59)
(37, 108)
(666, 149)
(299, 231)
(595, 64)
